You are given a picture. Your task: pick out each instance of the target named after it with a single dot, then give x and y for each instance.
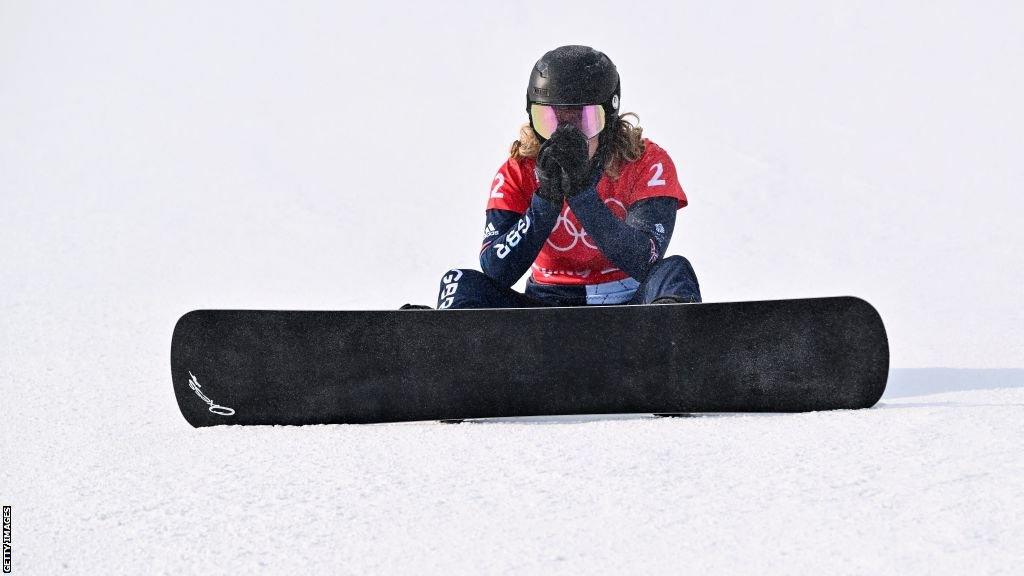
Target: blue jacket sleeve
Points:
(512, 240)
(633, 244)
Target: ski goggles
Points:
(545, 119)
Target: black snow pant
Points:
(468, 288)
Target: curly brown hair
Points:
(626, 146)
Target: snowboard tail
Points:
(310, 367)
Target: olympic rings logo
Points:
(567, 234)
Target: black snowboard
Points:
(272, 367)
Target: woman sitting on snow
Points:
(583, 200)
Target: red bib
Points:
(570, 255)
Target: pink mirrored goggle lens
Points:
(589, 119)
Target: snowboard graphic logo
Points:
(193, 383)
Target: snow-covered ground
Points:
(107, 478)
(160, 157)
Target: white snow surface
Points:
(108, 479)
(162, 157)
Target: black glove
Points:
(563, 167)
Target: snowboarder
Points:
(583, 200)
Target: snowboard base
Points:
(308, 367)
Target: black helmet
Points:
(574, 75)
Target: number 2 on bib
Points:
(499, 180)
(657, 180)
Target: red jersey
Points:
(570, 256)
